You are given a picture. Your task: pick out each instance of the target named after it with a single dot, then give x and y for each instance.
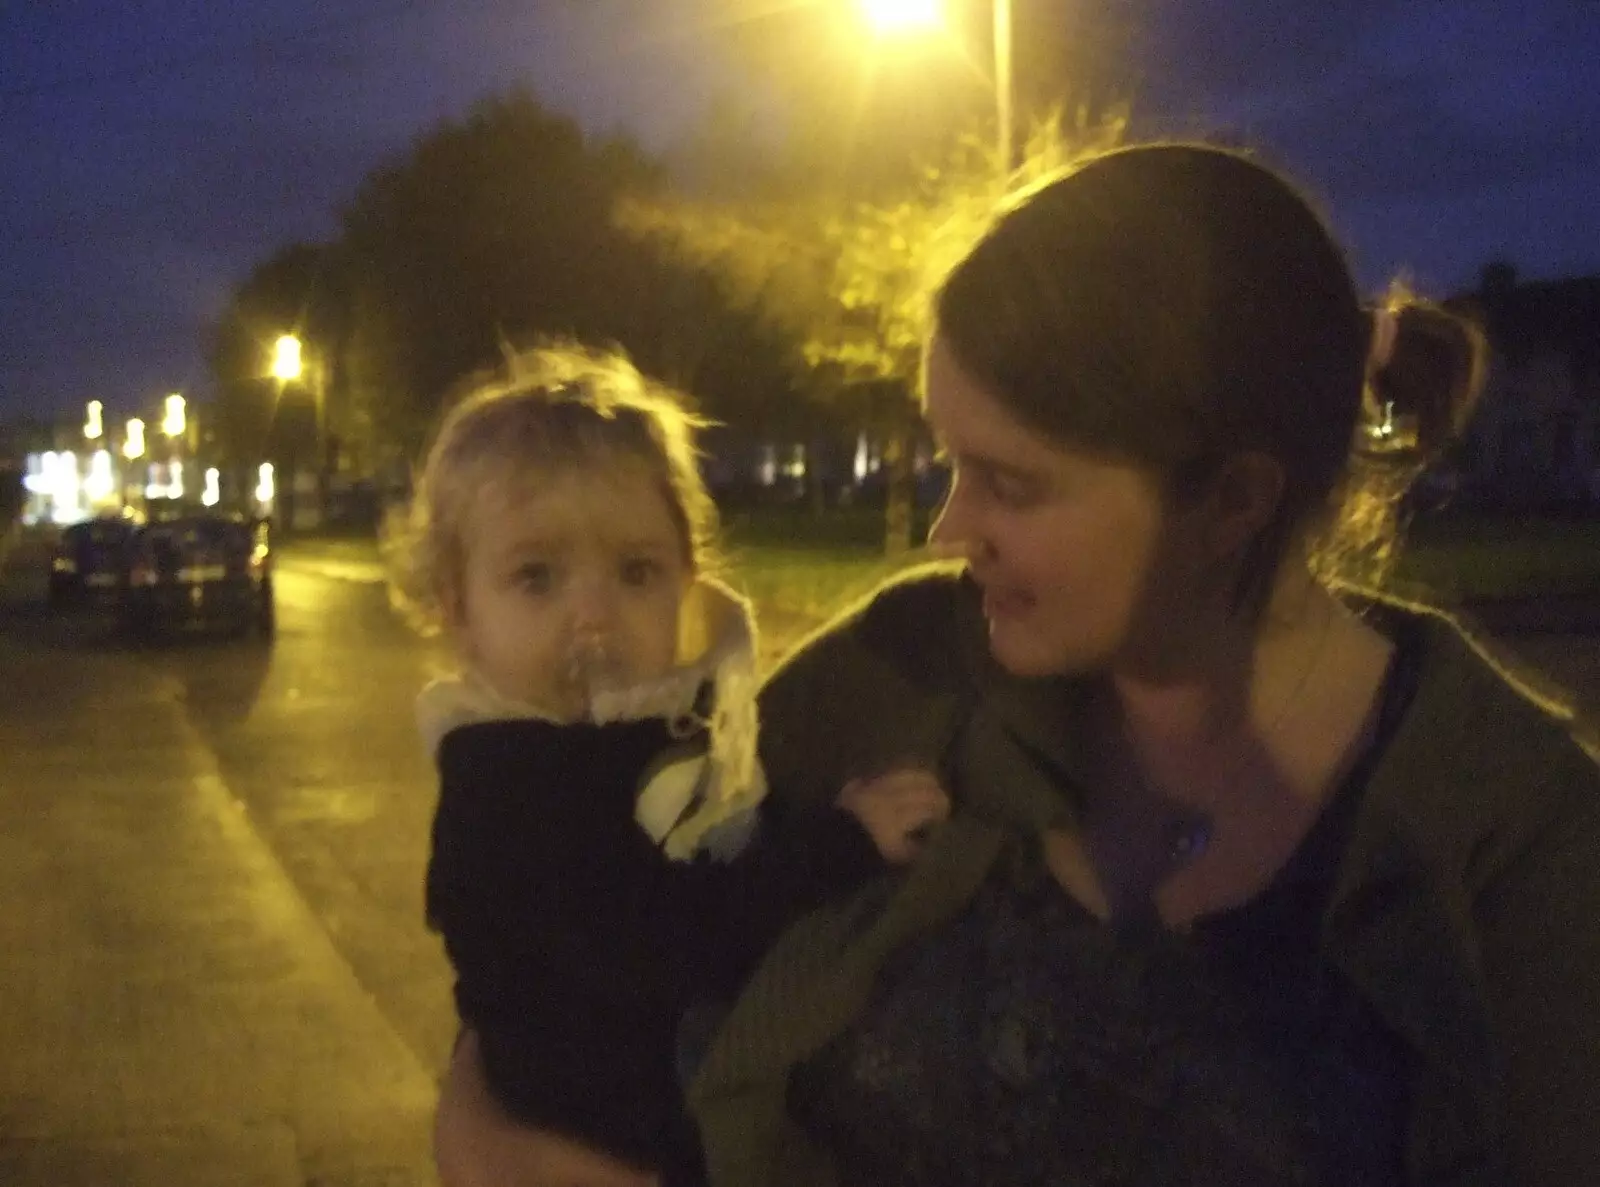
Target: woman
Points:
(1249, 880)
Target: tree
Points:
(487, 229)
(850, 280)
(498, 230)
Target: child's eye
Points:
(536, 577)
(639, 571)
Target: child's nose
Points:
(594, 608)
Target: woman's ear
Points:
(1246, 492)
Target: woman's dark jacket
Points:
(1466, 909)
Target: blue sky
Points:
(155, 150)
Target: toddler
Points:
(595, 843)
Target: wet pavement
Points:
(211, 856)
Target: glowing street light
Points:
(212, 495)
(266, 487)
(101, 483)
(911, 16)
(286, 362)
(66, 487)
(176, 420)
(133, 443)
(902, 16)
(94, 425)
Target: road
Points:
(212, 854)
(315, 736)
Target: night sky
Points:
(154, 151)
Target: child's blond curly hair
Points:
(554, 408)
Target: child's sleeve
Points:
(881, 687)
(536, 884)
(719, 914)
(512, 869)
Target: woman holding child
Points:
(1248, 878)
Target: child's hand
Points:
(896, 809)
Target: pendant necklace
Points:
(1187, 837)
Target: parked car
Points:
(90, 563)
(211, 570)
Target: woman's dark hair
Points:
(1174, 304)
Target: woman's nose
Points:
(951, 529)
(958, 533)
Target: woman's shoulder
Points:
(1480, 751)
(1464, 671)
(926, 614)
(882, 684)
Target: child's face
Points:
(576, 578)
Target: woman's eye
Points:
(536, 577)
(1010, 491)
(639, 571)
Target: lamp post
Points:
(1002, 84)
(133, 448)
(290, 365)
(903, 16)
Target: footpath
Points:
(171, 1013)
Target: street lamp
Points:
(902, 16)
(290, 365)
(175, 422)
(94, 425)
(896, 16)
(266, 486)
(286, 363)
(133, 443)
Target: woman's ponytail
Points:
(1425, 371)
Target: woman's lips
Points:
(1005, 603)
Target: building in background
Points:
(157, 459)
(1534, 442)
